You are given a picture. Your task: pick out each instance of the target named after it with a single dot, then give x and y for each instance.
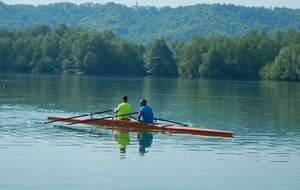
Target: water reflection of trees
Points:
(251, 103)
(71, 92)
(161, 93)
(284, 102)
(199, 102)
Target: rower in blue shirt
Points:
(145, 114)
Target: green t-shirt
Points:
(124, 108)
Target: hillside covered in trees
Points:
(144, 24)
(64, 49)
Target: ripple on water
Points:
(22, 126)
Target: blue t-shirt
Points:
(147, 114)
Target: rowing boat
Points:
(147, 126)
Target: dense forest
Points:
(64, 49)
(144, 24)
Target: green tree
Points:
(213, 64)
(90, 62)
(21, 55)
(286, 65)
(191, 58)
(5, 48)
(159, 59)
(249, 58)
(130, 57)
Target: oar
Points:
(78, 116)
(170, 121)
(96, 119)
(133, 118)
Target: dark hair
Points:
(124, 98)
(143, 102)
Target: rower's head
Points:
(143, 102)
(124, 98)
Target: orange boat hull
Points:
(140, 125)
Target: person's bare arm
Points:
(139, 116)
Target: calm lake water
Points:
(263, 155)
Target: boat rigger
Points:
(139, 125)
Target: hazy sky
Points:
(172, 3)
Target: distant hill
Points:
(143, 24)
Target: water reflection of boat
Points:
(138, 127)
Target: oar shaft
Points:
(78, 116)
(172, 122)
(101, 112)
(66, 118)
(96, 119)
(89, 120)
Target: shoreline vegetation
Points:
(65, 49)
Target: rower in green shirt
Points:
(123, 108)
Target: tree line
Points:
(144, 24)
(68, 50)
(65, 49)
